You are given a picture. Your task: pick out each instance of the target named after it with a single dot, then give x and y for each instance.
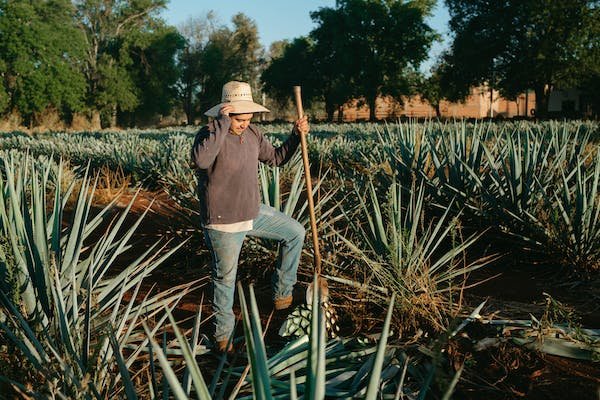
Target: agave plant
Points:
(524, 168)
(315, 368)
(423, 263)
(458, 163)
(283, 190)
(309, 366)
(497, 174)
(569, 225)
(68, 314)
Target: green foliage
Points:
(213, 55)
(87, 55)
(572, 229)
(310, 365)
(530, 185)
(8, 272)
(441, 85)
(388, 41)
(295, 65)
(520, 45)
(360, 49)
(407, 256)
(591, 93)
(111, 28)
(195, 32)
(408, 229)
(40, 59)
(230, 55)
(115, 86)
(155, 72)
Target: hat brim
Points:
(239, 107)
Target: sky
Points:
(281, 19)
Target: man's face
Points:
(239, 122)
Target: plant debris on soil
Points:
(501, 372)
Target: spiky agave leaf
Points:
(406, 255)
(64, 332)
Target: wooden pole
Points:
(309, 193)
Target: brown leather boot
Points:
(222, 346)
(283, 303)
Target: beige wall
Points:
(477, 105)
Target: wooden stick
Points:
(309, 193)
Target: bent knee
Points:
(298, 231)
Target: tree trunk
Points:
(95, 120)
(189, 116)
(329, 109)
(371, 101)
(542, 97)
(491, 102)
(113, 116)
(340, 113)
(438, 110)
(188, 107)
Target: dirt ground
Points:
(516, 292)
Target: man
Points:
(226, 154)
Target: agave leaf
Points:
(293, 391)
(25, 345)
(560, 347)
(168, 372)
(72, 249)
(64, 323)
(475, 314)
(199, 383)
(261, 382)
(373, 387)
(259, 345)
(128, 284)
(452, 385)
(315, 380)
(126, 378)
(153, 306)
(31, 341)
(194, 346)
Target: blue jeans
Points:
(225, 250)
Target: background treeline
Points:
(107, 63)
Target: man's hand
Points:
(226, 110)
(301, 126)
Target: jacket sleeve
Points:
(208, 141)
(280, 155)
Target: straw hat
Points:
(239, 95)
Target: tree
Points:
(294, 66)
(359, 49)
(431, 91)
(517, 45)
(154, 70)
(375, 46)
(107, 24)
(230, 55)
(276, 49)
(332, 60)
(40, 50)
(591, 95)
(196, 32)
(440, 85)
